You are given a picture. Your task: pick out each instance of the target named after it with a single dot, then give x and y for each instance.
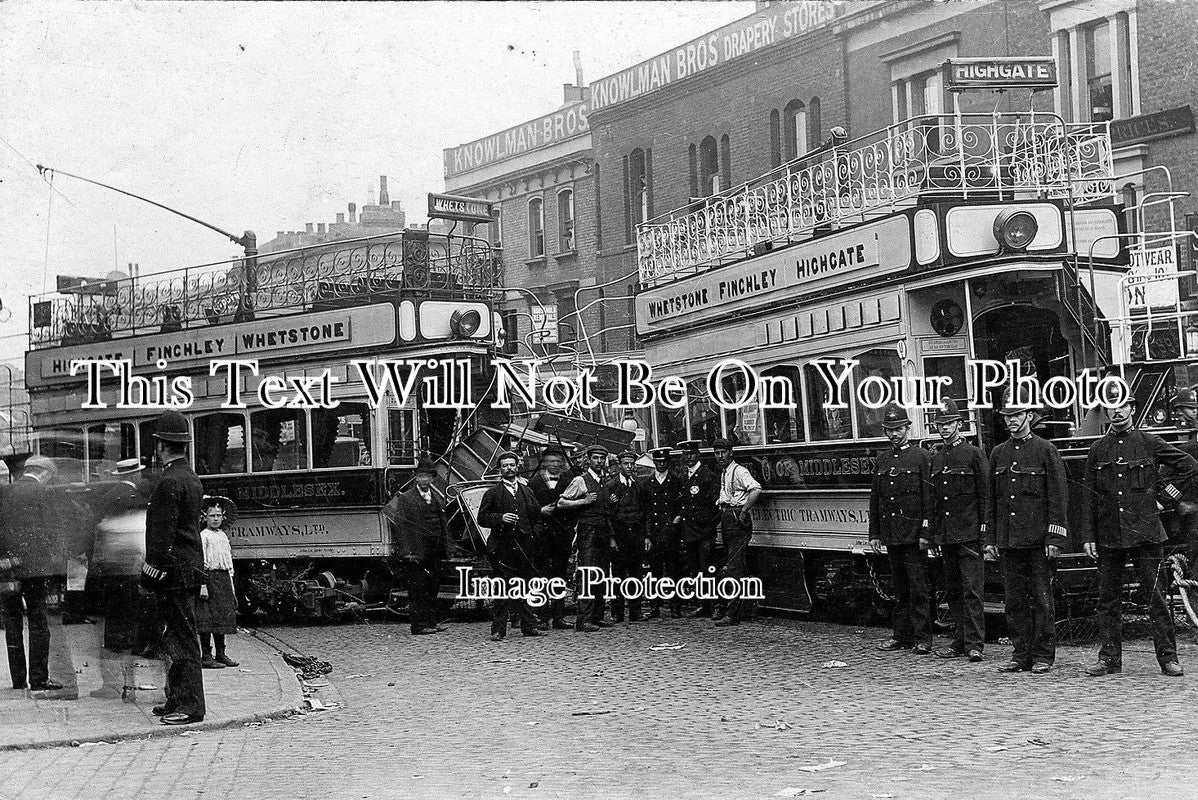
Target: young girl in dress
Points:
(216, 613)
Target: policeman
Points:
(174, 568)
(629, 511)
(700, 489)
(898, 518)
(1027, 526)
(1120, 522)
(739, 492)
(555, 528)
(959, 498)
(587, 495)
(663, 490)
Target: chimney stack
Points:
(280, 234)
(353, 213)
(320, 227)
(340, 219)
(307, 227)
(384, 199)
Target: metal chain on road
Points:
(873, 576)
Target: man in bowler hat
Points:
(419, 531)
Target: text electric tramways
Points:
(309, 483)
(911, 251)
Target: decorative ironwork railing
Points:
(985, 156)
(329, 274)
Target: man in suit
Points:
(960, 492)
(588, 497)
(1120, 523)
(174, 568)
(509, 509)
(419, 532)
(629, 510)
(555, 528)
(1027, 526)
(898, 519)
(33, 543)
(699, 491)
(662, 490)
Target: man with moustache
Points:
(958, 522)
(1027, 526)
(898, 518)
(629, 509)
(509, 509)
(663, 494)
(1120, 523)
(555, 527)
(588, 497)
(699, 491)
(419, 529)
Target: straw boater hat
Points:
(128, 466)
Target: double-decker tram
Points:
(906, 253)
(308, 480)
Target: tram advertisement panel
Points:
(308, 535)
(358, 487)
(817, 467)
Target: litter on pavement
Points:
(833, 664)
(668, 646)
(794, 791)
(829, 764)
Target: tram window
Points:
(401, 437)
(107, 444)
(741, 425)
(825, 423)
(879, 363)
(785, 424)
(278, 439)
(704, 414)
(341, 437)
(219, 444)
(951, 367)
(65, 446)
(671, 426)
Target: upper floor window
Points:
(794, 129)
(775, 138)
(1099, 84)
(638, 190)
(565, 220)
(815, 123)
(536, 227)
(709, 167)
(1096, 62)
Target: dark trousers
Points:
(665, 560)
(628, 561)
(1031, 614)
(510, 559)
(1146, 563)
(909, 576)
(696, 556)
(33, 591)
(184, 676)
(736, 545)
(423, 579)
(554, 542)
(120, 612)
(964, 577)
(594, 550)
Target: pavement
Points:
(754, 711)
(261, 686)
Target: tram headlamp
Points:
(1015, 228)
(465, 322)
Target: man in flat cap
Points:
(699, 491)
(1027, 526)
(509, 509)
(419, 532)
(174, 568)
(629, 511)
(588, 497)
(555, 527)
(739, 492)
(899, 507)
(663, 493)
(960, 494)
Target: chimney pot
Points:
(353, 212)
(384, 198)
(340, 219)
(307, 227)
(320, 227)
(280, 234)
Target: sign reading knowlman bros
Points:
(551, 129)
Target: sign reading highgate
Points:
(1001, 73)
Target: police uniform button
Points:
(1012, 497)
(946, 513)
(1012, 513)
(1120, 492)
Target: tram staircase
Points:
(1082, 311)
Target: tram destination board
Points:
(450, 206)
(1029, 72)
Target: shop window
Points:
(279, 440)
(824, 423)
(219, 444)
(785, 424)
(401, 436)
(565, 221)
(536, 228)
(879, 363)
(341, 436)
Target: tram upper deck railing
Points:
(331, 274)
(998, 156)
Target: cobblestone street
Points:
(737, 712)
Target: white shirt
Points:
(218, 554)
(735, 484)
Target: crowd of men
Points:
(965, 507)
(668, 524)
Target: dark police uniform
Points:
(959, 499)
(554, 535)
(1120, 515)
(173, 545)
(629, 511)
(419, 532)
(1028, 504)
(697, 498)
(898, 511)
(508, 547)
(663, 491)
